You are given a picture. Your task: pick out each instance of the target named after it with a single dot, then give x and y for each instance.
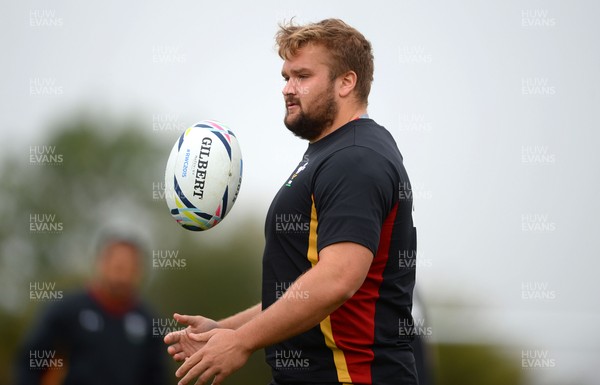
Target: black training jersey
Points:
(349, 186)
(88, 344)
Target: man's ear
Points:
(347, 83)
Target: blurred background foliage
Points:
(114, 170)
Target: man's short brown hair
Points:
(349, 49)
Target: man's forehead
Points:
(309, 57)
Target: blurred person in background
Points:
(100, 335)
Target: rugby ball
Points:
(203, 175)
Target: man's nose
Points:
(289, 88)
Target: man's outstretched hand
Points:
(181, 346)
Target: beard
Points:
(310, 124)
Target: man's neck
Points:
(342, 119)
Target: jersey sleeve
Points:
(354, 190)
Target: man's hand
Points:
(223, 353)
(181, 346)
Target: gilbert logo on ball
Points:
(203, 175)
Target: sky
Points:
(494, 106)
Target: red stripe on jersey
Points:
(353, 324)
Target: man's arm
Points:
(241, 318)
(340, 272)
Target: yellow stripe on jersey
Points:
(338, 355)
(313, 256)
